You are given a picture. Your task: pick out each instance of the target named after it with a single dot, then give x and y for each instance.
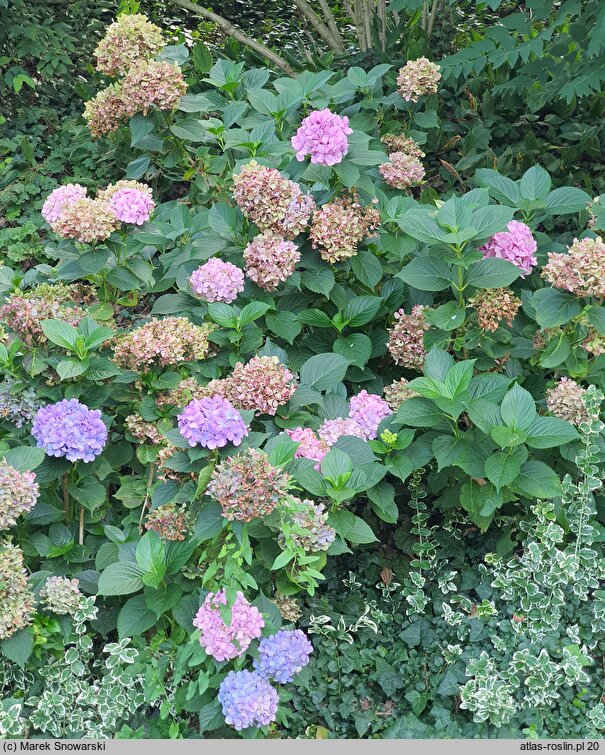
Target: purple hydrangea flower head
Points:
(516, 245)
(323, 135)
(227, 642)
(368, 410)
(282, 655)
(59, 199)
(69, 428)
(216, 280)
(247, 700)
(132, 205)
(211, 422)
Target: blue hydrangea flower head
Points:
(247, 700)
(70, 429)
(283, 655)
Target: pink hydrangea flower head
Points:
(310, 446)
(368, 410)
(106, 111)
(406, 338)
(417, 78)
(158, 84)
(211, 422)
(333, 429)
(338, 228)
(216, 280)
(581, 270)
(262, 385)
(129, 39)
(59, 199)
(132, 206)
(323, 135)
(270, 260)
(270, 201)
(517, 245)
(402, 170)
(224, 642)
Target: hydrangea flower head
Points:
(270, 260)
(169, 341)
(565, 401)
(129, 39)
(262, 385)
(24, 317)
(323, 135)
(18, 494)
(16, 598)
(169, 521)
(283, 655)
(516, 245)
(106, 111)
(16, 404)
(211, 422)
(131, 201)
(332, 429)
(61, 595)
(70, 429)
(406, 338)
(224, 642)
(401, 143)
(402, 170)
(492, 305)
(87, 220)
(338, 228)
(59, 199)
(398, 392)
(581, 270)
(158, 84)
(247, 485)
(368, 410)
(310, 446)
(311, 530)
(270, 201)
(216, 280)
(247, 700)
(417, 78)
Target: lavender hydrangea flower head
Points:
(323, 135)
(219, 281)
(224, 642)
(59, 199)
(516, 245)
(211, 422)
(311, 530)
(247, 700)
(69, 428)
(283, 655)
(368, 410)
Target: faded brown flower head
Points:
(492, 305)
(406, 338)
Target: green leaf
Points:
(437, 364)
(421, 226)
(284, 324)
(549, 432)
(60, 333)
(356, 348)
(282, 560)
(382, 501)
(367, 268)
(518, 408)
(554, 307)
(566, 200)
(556, 351)
(446, 317)
(419, 412)
(322, 371)
(71, 368)
(501, 469)
(135, 618)
(189, 130)
(19, 646)
(492, 273)
(223, 314)
(252, 312)
(536, 480)
(596, 315)
(491, 219)
(500, 187)
(361, 310)
(426, 274)
(210, 521)
(24, 458)
(535, 183)
(320, 281)
(336, 464)
(505, 437)
(121, 578)
(360, 533)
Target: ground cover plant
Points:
(268, 352)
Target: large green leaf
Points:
(426, 274)
(121, 578)
(492, 273)
(322, 371)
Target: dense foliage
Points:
(301, 428)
